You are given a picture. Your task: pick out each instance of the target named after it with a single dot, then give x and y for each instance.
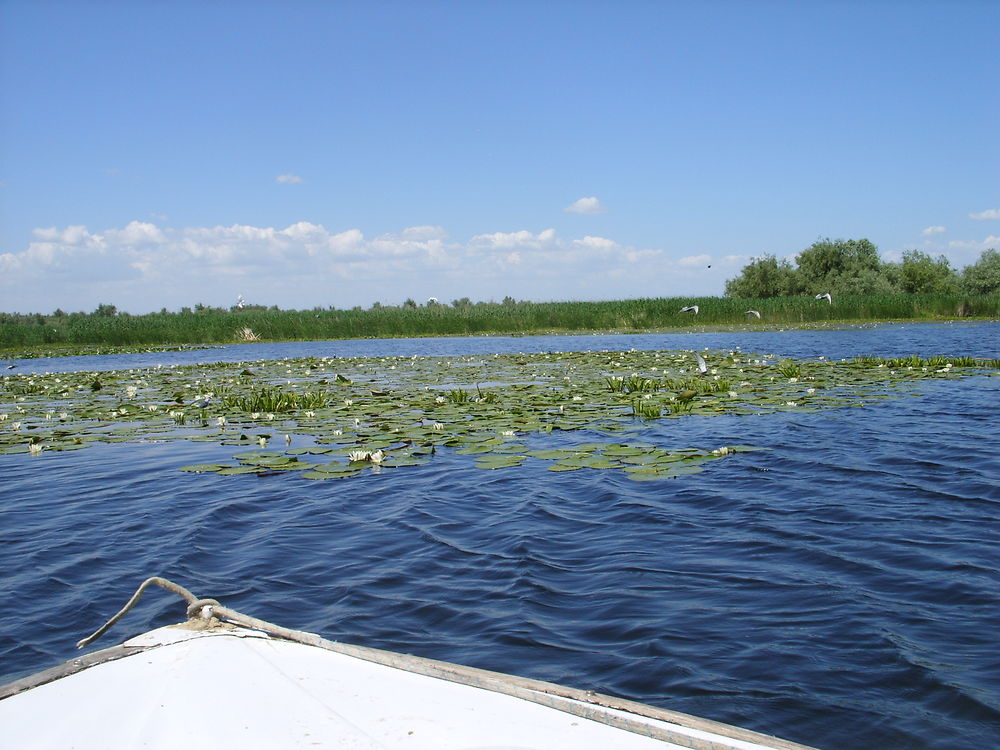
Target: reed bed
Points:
(210, 326)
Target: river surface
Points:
(841, 588)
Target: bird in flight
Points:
(690, 308)
(826, 296)
(702, 367)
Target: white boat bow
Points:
(226, 678)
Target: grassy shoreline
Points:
(25, 336)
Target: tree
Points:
(765, 277)
(844, 266)
(919, 273)
(105, 311)
(983, 277)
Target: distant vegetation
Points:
(203, 325)
(861, 287)
(850, 267)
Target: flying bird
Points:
(690, 308)
(702, 367)
(826, 296)
(755, 313)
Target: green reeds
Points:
(221, 326)
(274, 400)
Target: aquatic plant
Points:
(383, 405)
(274, 400)
(458, 396)
(646, 409)
(789, 369)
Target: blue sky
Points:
(161, 154)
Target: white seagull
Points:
(755, 313)
(690, 308)
(826, 296)
(702, 367)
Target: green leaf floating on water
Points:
(514, 408)
(199, 468)
(499, 462)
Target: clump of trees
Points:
(854, 267)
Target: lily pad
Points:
(499, 462)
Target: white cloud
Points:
(993, 241)
(596, 243)
(933, 230)
(520, 239)
(695, 260)
(143, 266)
(990, 213)
(288, 179)
(590, 206)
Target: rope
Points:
(163, 583)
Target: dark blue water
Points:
(840, 589)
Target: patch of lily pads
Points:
(330, 418)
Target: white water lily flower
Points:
(338, 432)
(810, 391)
(3, 417)
(15, 425)
(438, 426)
(439, 400)
(357, 422)
(131, 391)
(358, 455)
(793, 380)
(377, 457)
(34, 448)
(790, 403)
(262, 441)
(723, 451)
(310, 414)
(348, 402)
(152, 407)
(221, 421)
(255, 415)
(733, 394)
(508, 433)
(578, 398)
(269, 416)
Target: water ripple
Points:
(839, 588)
